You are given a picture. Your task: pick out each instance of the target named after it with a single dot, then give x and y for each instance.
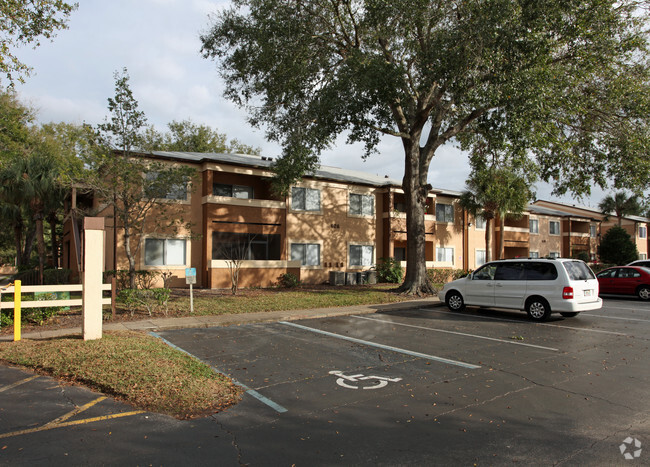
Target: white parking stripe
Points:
(385, 347)
(503, 341)
(494, 318)
(616, 317)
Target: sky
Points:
(158, 42)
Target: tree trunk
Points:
(18, 241)
(489, 222)
(416, 189)
(28, 246)
(502, 226)
(51, 219)
(129, 256)
(40, 244)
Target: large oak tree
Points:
(566, 78)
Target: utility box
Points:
(351, 278)
(337, 278)
(361, 278)
(371, 277)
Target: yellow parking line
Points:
(17, 383)
(74, 412)
(75, 422)
(60, 422)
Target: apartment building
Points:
(333, 220)
(580, 220)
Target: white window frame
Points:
(365, 201)
(305, 246)
(480, 223)
(593, 231)
(533, 254)
(364, 254)
(550, 228)
(477, 263)
(447, 249)
(532, 230)
(446, 213)
(643, 232)
(165, 263)
(305, 190)
(554, 254)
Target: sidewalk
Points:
(164, 324)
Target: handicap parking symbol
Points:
(362, 382)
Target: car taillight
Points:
(567, 293)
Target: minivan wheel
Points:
(455, 301)
(643, 293)
(569, 314)
(538, 309)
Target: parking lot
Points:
(422, 386)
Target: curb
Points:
(186, 322)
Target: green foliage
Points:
(621, 205)
(617, 247)
(444, 275)
(288, 280)
(187, 136)
(149, 299)
(27, 23)
(389, 270)
(551, 77)
(582, 256)
(144, 279)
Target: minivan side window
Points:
(510, 272)
(578, 271)
(486, 273)
(541, 272)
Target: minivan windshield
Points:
(578, 271)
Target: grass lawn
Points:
(130, 366)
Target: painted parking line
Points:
(494, 318)
(17, 383)
(60, 422)
(617, 317)
(251, 392)
(476, 336)
(382, 346)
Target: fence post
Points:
(17, 314)
(92, 278)
(113, 297)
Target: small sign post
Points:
(190, 278)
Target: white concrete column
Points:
(92, 277)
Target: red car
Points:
(626, 280)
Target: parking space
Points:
(411, 386)
(419, 386)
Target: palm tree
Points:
(621, 204)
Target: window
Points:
(554, 227)
(554, 254)
(164, 252)
(510, 272)
(480, 258)
(480, 222)
(305, 199)
(578, 271)
(157, 186)
(643, 256)
(362, 205)
(307, 253)
(534, 254)
(361, 255)
(232, 191)
(445, 255)
(643, 232)
(541, 272)
(534, 226)
(399, 253)
(486, 273)
(444, 212)
(592, 231)
(245, 246)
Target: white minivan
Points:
(539, 286)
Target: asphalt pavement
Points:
(412, 385)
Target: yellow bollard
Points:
(17, 296)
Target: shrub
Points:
(389, 270)
(149, 299)
(582, 256)
(288, 280)
(617, 247)
(143, 279)
(444, 275)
